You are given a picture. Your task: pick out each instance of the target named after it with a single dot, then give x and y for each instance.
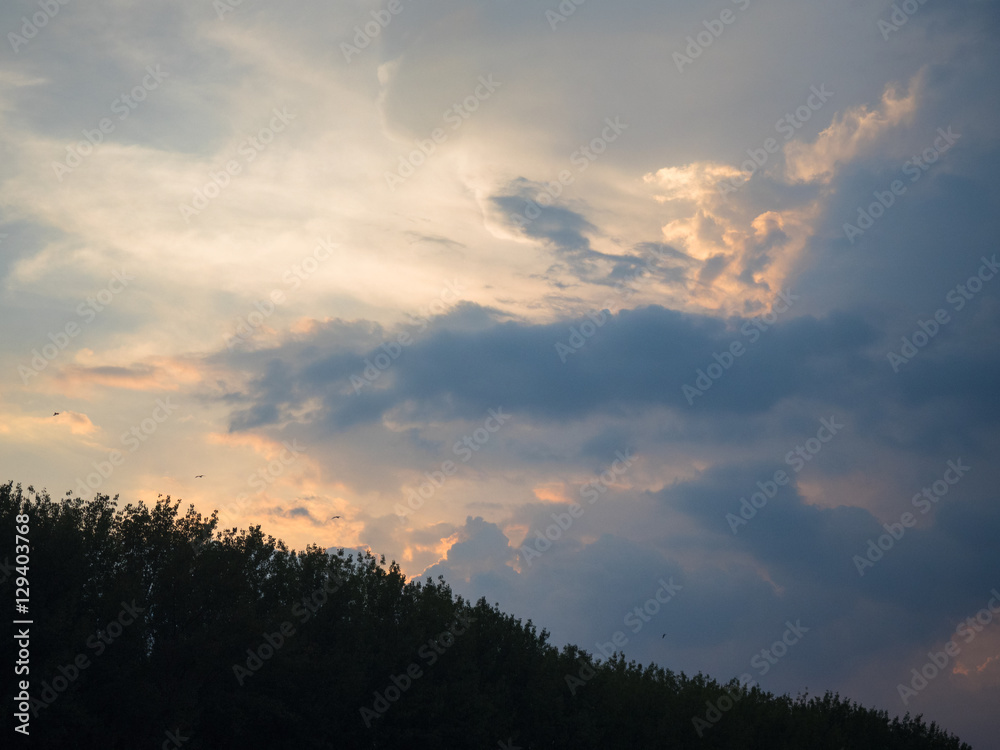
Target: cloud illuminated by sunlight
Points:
(850, 135)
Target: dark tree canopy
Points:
(195, 637)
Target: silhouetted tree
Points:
(228, 639)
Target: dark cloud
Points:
(255, 416)
(527, 208)
(298, 512)
(808, 549)
(633, 359)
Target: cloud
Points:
(159, 375)
(748, 253)
(635, 358)
(851, 135)
(528, 210)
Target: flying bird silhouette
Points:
(55, 414)
(335, 517)
(198, 476)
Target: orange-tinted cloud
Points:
(79, 424)
(850, 136)
(157, 374)
(746, 254)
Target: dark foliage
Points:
(167, 611)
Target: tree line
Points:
(157, 629)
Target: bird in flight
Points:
(663, 636)
(55, 414)
(335, 517)
(199, 476)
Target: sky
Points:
(670, 327)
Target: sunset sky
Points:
(536, 296)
